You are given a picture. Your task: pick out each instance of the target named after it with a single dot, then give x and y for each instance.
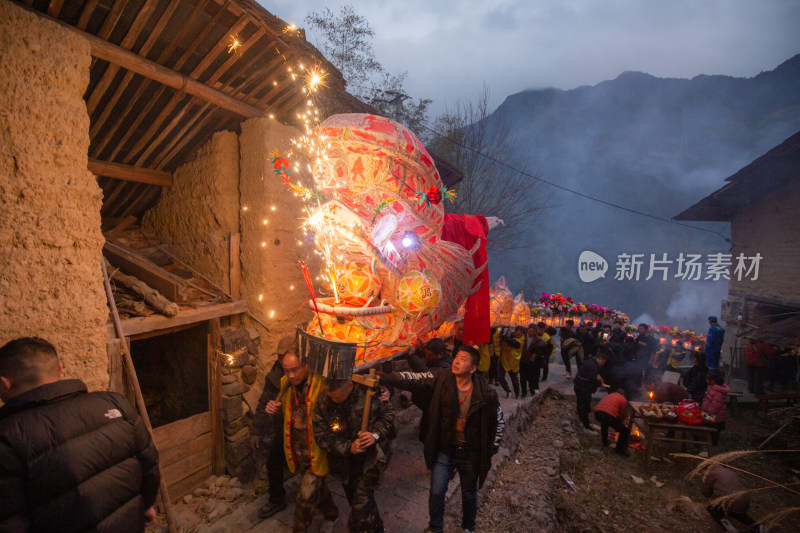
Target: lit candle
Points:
(651, 397)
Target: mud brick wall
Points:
(197, 214)
(51, 283)
(271, 279)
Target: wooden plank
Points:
(180, 431)
(186, 466)
(176, 453)
(143, 325)
(86, 13)
(185, 486)
(116, 372)
(130, 173)
(55, 8)
(235, 266)
(169, 285)
(215, 397)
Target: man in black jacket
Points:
(267, 431)
(586, 382)
(465, 427)
(70, 460)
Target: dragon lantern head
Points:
(393, 278)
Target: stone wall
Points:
(196, 216)
(51, 284)
(771, 227)
(271, 279)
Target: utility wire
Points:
(573, 191)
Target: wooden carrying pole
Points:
(131, 371)
(371, 382)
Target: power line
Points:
(573, 191)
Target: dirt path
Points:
(529, 495)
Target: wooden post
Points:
(131, 372)
(235, 269)
(215, 398)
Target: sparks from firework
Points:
(233, 44)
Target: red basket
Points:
(689, 412)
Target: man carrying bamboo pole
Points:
(358, 446)
(70, 460)
(303, 455)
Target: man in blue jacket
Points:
(714, 339)
(70, 460)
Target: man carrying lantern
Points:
(303, 455)
(465, 427)
(357, 458)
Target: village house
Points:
(760, 202)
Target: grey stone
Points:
(558, 444)
(208, 506)
(236, 358)
(222, 481)
(236, 451)
(245, 471)
(235, 425)
(185, 518)
(235, 483)
(210, 481)
(232, 389)
(200, 492)
(228, 378)
(187, 499)
(220, 509)
(252, 348)
(231, 407)
(251, 397)
(249, 374)
(239, 435)
(550, 471)
(234, 339)
(255, 336)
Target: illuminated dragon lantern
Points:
(502, 304)
(393, 277)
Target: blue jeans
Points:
(444, 469)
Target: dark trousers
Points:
(447, 464)
(565, 357)
(607, 420)
(755, 379)
(493, 364)
(276, 460)
(584, 399)
(545, 366)
(529, 376)
(359, 488)
(501, 377)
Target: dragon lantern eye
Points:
(410, 240)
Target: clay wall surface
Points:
(51, 282)
(270, 251)
(195, 217)
(770, 227)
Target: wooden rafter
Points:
(86, 14)
(55, 8)
(100, 144)
(127, 42)
(130, 173)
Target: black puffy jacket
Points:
(72, 461)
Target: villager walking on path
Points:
(357, 458)
(303, 455)
(465, 427)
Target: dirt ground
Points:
(607, 497)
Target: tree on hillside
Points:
(346, 40)
(483, 149)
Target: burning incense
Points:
(307, 278)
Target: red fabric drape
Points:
(466, 230)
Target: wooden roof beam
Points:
(130, 173)
(112, 53)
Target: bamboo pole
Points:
(131, 371)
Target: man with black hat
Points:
(266, 431)
(358, 458)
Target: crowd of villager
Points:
(86, 459)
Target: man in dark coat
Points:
(267, 431)
(587, 380)
(465, 427)
(357, 458)
(714, 340)
(70, 460)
